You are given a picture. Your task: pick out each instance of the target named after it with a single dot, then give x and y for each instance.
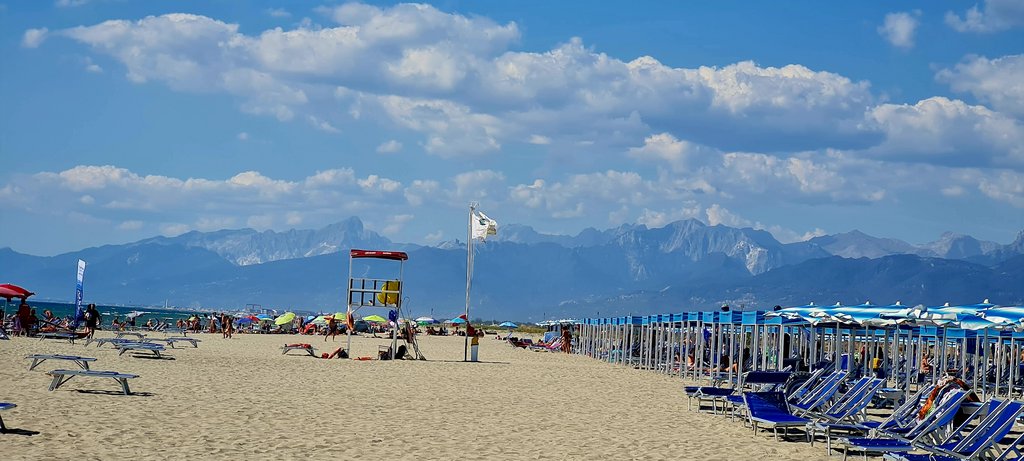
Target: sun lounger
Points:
(769, 409)
(179, 339)
(5, 406)
(981, 440)
(902, 419)
(308, 348)
(765, 380)
(40, 358)
(156, 349)
(850, 408)
(123, 334)
(60, 377)
(115, 341)
(940, 417)
(69, 337)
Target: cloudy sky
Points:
(123, 120)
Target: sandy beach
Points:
(241, 398)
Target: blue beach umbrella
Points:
(457, 321)
(508, 325)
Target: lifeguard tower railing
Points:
(375, 292)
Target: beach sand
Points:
(242, 399)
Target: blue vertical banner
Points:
(79, 293)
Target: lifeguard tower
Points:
(381, 293)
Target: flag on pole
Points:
(483, 226)
(79, 293)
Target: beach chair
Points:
(821, 394)
(979, 442)
(902, 419)
(308, 348)
(156, 349)
(929, 427)
(179, 339)
(850, 408)
(124, 334)
(60, 377)
(69, 337)
(5, 406)
(40, 358)
(764, 380)
(769, 409)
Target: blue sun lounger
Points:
(929, 427)
(769, 409)
(981, 440)
(766, 380)
(850, 408)
(60, 377)
(900, 421)
(40, 358)
(5, 406)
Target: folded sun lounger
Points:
(60, 377)
(40, 358)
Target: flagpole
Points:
(469, 277)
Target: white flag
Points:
(483, 226)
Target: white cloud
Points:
(995, 16)
(1005, 186)
(131, 225)
(173, 229)
(278, 13)
(718, 215)
(32, 38)
(322, 125)
(898, 28)
(994, 81)
(455, 80)
(949, 132)
(70, 3)
(389, 147)
(665, 147)
(479, 185)
(242, 136)
(396, 223)
(539, 140)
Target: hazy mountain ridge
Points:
(524, 274)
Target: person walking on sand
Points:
(332, 328)
(92, 320)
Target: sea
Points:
(109, 313)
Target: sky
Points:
(122, 120)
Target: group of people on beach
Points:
(27, 322)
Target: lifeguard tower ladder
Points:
(378, 293)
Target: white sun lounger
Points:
(40, 358)
(178, 339)
(122, 334)
(125, 347)
(63, 376)
(5, 406)
(70, 337)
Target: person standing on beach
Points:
(332, 328)
(92, 320)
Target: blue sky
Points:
(122, 120)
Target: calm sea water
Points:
(108, 312)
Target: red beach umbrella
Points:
(9, 291)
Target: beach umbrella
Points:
(375, 319)
(264, 317)
(425, 320)
(9, 291)
(132, 315)
(321, 321)
(457, 321)
(244, 320)
(285, 318)
(508, 325)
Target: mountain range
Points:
(524, 275)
